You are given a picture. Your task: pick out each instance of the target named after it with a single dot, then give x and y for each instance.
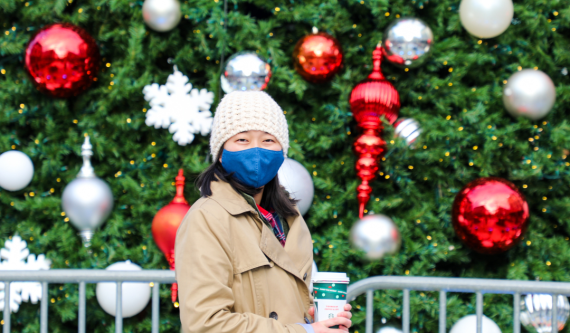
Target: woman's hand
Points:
(342, 319)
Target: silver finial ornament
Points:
(86, 151)
(87, 200)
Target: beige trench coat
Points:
(233, 274)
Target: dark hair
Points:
(274, 195)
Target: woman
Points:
(243, 252)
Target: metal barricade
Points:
(81, 277)
(463, 285)
(366, 286)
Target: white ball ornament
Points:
(486, 18)
(16, 170)
(376, 235)
(298, 182)
(135, 295)
(468, 324)
(529, 93)
(389, 329)
(161, 15)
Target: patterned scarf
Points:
(273, 219)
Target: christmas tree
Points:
(456, 97)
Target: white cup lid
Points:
(330, 276)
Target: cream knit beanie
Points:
(241, 111)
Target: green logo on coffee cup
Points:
(330, 291)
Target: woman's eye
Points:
(241, 140)
(270, 140)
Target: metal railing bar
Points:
(155, 307)
(488, 286)
(81, 315)
(442, 312)
(406, 311)
(44, 309)
(369, 310)
(6, 307)
(479, 311)
(89, 276)
(554, 313)
(517, 313)
(119, 308)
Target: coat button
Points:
(273, 315)
(305, 277)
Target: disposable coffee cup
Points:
(329, 293)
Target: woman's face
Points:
(252, 139)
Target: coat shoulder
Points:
(207, 212)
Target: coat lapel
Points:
(294, 256)
(298, 247)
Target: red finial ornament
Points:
(166, 222)
(369, 100)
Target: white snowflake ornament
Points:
(14, 253)
(178, 107)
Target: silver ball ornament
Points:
(486, 18)
(376, 235)
(245, 71)
(161, 15)
(536, 312)
(529, 93)
(407, 128)
(407, 42)
(87, 200)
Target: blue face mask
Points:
(253, 167)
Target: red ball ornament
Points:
(371, 99)
(166, 222)
(62, 59)
(317, 57)
(490, 215)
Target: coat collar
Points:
(224, 194)
(298, 247)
